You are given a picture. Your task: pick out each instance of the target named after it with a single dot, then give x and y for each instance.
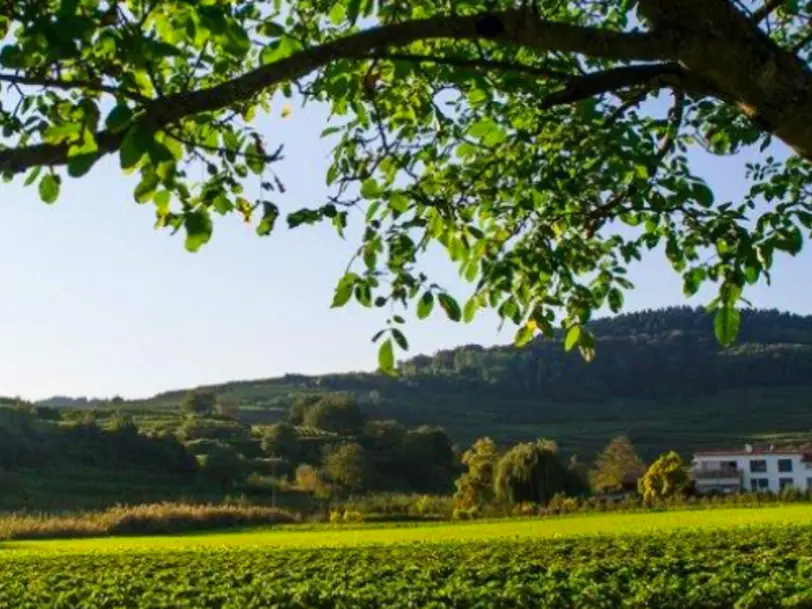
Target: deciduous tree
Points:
(199, 402)
(349, 467)
(531, 472)
(476, 486)
(519, 136)
(617, 466)
(665, 478)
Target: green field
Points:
(297, 536)
(715, 559)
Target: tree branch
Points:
(766, 10)
(511, 27)
(589, 85)
(483, 64)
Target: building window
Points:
(727, 465)
(785, 465)
(759, 484)
(782, 482)
(809, 484)
(758, 466)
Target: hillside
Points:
(659, 376)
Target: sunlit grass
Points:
(342, 536)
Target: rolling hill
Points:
(659, 376)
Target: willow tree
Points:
(518, 135)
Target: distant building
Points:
(751, 469)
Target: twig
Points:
(802, 42)
(461, 62)
(68, 85)
(768, 8)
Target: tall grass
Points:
(147, 519)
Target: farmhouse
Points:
(753, 469)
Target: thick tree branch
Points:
(509, 27)
(652, 75)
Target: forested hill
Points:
(664, 353)
(659, 376)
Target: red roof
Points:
(755, 451)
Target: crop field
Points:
(760, 559)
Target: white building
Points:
(751, 469)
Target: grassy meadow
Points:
(325, 536)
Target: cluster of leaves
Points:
(763, 568)
(442, 140)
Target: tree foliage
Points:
(199, 402)
(281, 440)
(476, 486)
(543, 146)
(348, 466)
(617, 466)
(337, 413)
(665, 478)
(531, 472)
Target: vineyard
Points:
(759, 567)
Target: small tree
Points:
(281, 440)
(532, 473)
(616, 466)
(199, 402)
(349, 467)
(665, 478)
(337, 413)
(222, 466)
(476, 486)
(313, 480)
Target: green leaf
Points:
(425, 305)
(236, 42)
(81, 164)
(337, 13)
(692, 281)
(270, 213)
(343, 291)
(198, 229)
(272, 29)
(586, 345)
(524, 335)
(573, 337)
(450, 306)
(386, 356)
(726, 325)
(729, 294)
(137, 142)
(49, 188)
(400, 339)
(353, 10)
(791, 241)
(146, 188)
(702, 194)
(615, 298)
(469, 310)
(119, 118)
(370, 189)
(33, 175)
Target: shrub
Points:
(160, 518)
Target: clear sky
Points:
(96, 302)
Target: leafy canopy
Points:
(542, 144)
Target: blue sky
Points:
(96, 302)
